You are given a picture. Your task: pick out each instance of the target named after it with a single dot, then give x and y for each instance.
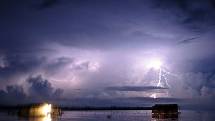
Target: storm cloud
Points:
(38, 90)
(88, 48)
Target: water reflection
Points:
(39, 112)
(116, 116)
(45, 118)
(168, 119)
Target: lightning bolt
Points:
(163, 73)
(162, 80)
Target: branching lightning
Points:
(162, 74)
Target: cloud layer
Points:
(85, 47)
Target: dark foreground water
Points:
(116, 116)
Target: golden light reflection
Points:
(40, 112)
(45, 118)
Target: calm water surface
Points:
(116, 116)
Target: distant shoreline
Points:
(103, 108)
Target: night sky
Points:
(96, 52)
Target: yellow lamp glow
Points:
(46, 109)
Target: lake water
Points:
(116, 116)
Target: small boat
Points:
(164, 111)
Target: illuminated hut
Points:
(162, 111)
(39, 110)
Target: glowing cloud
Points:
(94, 66)
(153, 95)
(154, 63)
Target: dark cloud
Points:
(208, 67)
(58, 64)
(101, 30)
(48, 3)
(135, 88)
(196, 15)
(40, 87)
(19, 65)
(148, 100)
(58, 93)
(189, 40)
(39, 90)
(120, 101)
